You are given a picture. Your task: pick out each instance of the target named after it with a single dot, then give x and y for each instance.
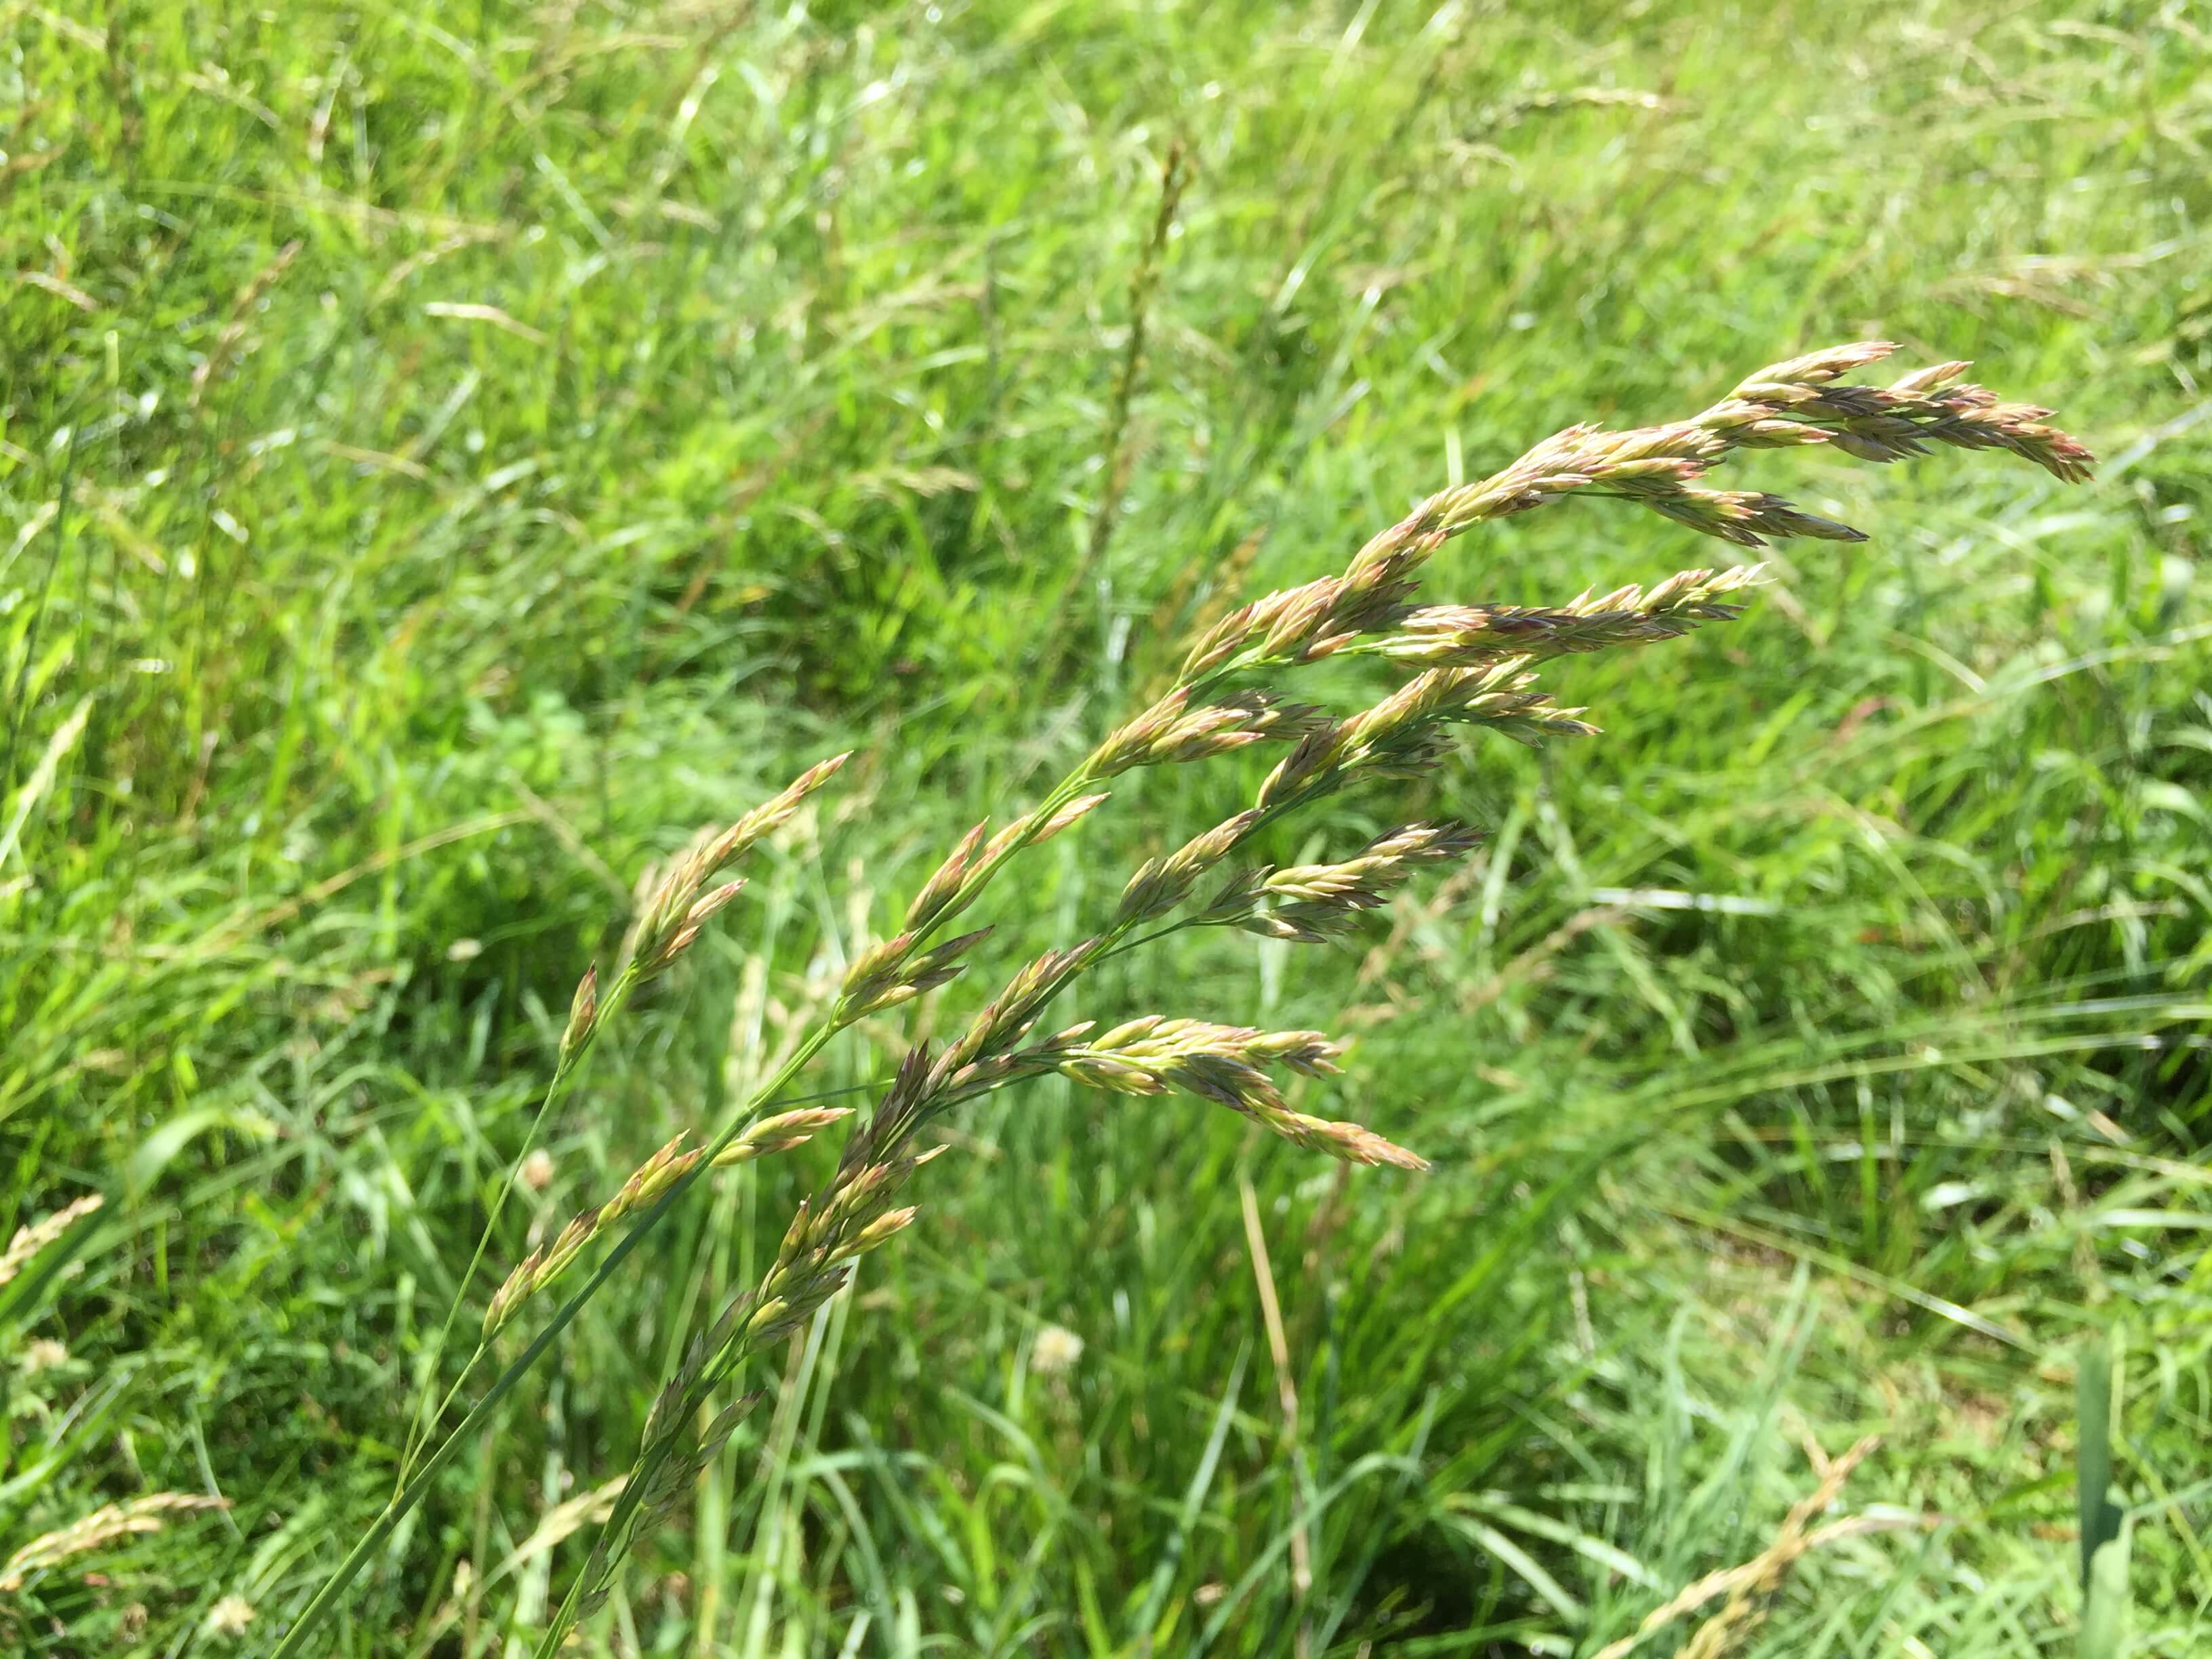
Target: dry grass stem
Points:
(102, 1527)
(1286, 1388)
(1750, 1584)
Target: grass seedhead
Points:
(1467, 669)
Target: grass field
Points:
(448, 454)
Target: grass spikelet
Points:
(679, 901)
(780, 1134)
(542, 1267)
(1226, 1065)
(1462, 636)
(1309, 903)
(645, 1187)
(35, 1236)
(583, 1018)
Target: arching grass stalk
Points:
(411, 1492)
(571, 1057)
(664, 928)
(1473, 667)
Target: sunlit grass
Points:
(660, 399)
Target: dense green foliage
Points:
(446, 454)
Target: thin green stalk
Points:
(318, 1610)
(739, 1346)
(412, 1490)
(569, 1064)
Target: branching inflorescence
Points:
(1471, 667)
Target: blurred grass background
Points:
(447, 454)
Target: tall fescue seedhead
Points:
(682, 904)
(1472, 667)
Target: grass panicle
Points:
(1475, 671)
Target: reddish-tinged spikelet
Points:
(735, 840)
(2019, 428)
(780, 1134)
(1161, 884)
(944, 884)
(673, 942)
(1309, 763)
(508, 1296)
(1924, 380)
(1347, 1142)
(875, 975)
(941, 963)
(672, 917)
(1815, 368)
(1127, 744)
(893, 973)
(1076, 810)
(583, 1018)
